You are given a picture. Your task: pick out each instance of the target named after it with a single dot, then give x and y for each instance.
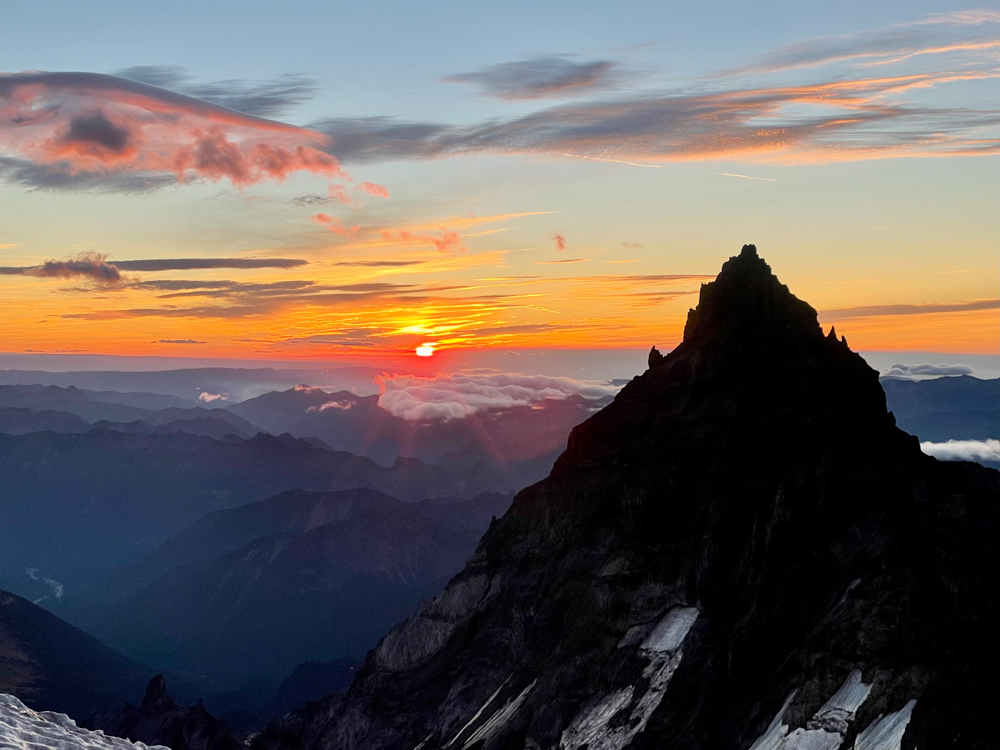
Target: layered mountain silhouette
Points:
(74, 505)
(742, 550)
(304, 576)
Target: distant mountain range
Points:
(302, 576)
(75, 505)
(952, 408)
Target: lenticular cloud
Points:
(87, 123)
(458, 395)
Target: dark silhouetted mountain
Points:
(158, 720)
(72, 505)
(303, 576)
(520, 442)
(52, 666)
(741, 547)
(942, 409)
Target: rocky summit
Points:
(741, 551)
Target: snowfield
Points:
(24, 729)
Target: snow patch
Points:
(497, 720)
(886, 733)
(591, 728)
(24, 729)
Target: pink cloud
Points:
(446, 240)
(560, 241)
(334, 224)
(90, 123)
(373, 189)
(339, 194)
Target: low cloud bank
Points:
(457, 395)
(964, 450)
(926, 371)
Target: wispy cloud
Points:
(268, 98)
(866, 311)
(538, 77)
(964, 31)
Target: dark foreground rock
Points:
(158, 720)
(743, 550)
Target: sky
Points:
(363, 183)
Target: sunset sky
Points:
(324, 181)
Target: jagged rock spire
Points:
(156, 694)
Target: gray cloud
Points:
(926, 371)
(878, 310)
(87, 265)
(685, 125)
(268, 98)
(537, 77)
(27, 174)
(179, 341)
(193, 264)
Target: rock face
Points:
(160, 721)
(742, 550)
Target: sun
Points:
(426, 349)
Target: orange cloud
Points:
(446, 240)
(334, 224)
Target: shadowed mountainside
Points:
(52, 666)
(303, 576)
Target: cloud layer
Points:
(964, 450)
(458, 395)
(926, 371)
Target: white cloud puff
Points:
(206, 398)
(915, 372)
(457, 395)
(964, 450)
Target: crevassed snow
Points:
(839, 710)
(24, 729)
(828, 726)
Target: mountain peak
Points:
(747, 303)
